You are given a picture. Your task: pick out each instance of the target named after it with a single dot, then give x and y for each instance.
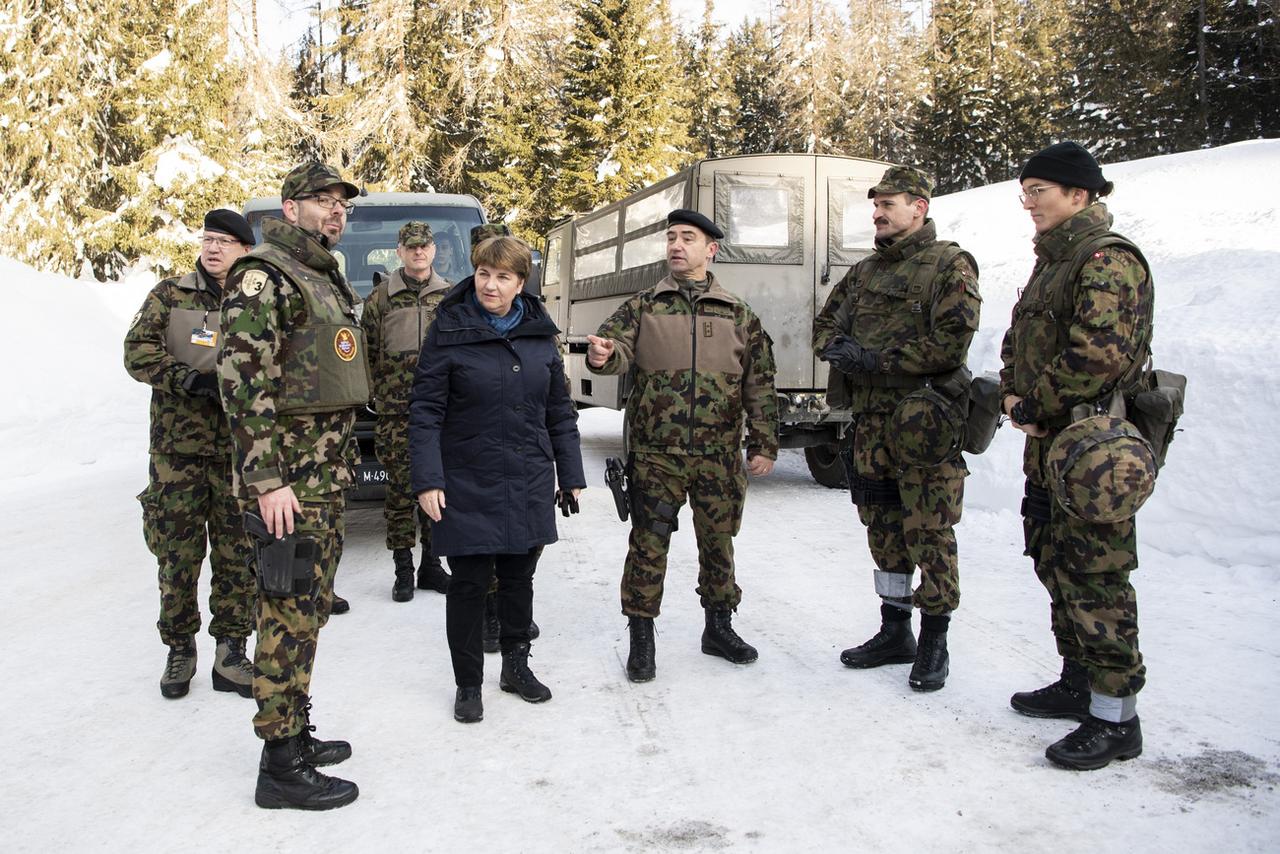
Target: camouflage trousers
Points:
(1093, 609)
(186, 499)
(289, 627)
(716, 486)
(403, 516)
(917, 530)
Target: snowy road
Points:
(792, 753)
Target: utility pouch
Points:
(1155, 408)
(984, 413)
(657, 515)
(286, 565)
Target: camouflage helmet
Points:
(415, 233)
(928, 428)
(1101, 469)
(481, 233)
(310, 177)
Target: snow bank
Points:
(1208, 223)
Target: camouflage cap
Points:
(415, 233)
(904, 179)
(310, 177)
(490, 229)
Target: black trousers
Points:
(464, 607)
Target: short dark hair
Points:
(504, 253)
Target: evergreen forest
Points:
(121, 123)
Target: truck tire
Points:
(826, 466)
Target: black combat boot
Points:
(719, 638)
(340, 605)
(315, 751)
(1066, 698)
(431, 574)
(286, 781)
(640, 663)
(929, 673)
(402, 589)
(1095, 743)
(517, 678)
(893, 644)
(178, 669)
(491, 630)
(232, 670)
(468, 708)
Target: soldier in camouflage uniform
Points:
(1081, 328)
(899, 319)
(172, 346)
(702, 365)
(396, 317)
(293, 373)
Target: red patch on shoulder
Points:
(1098, 254)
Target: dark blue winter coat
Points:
(491, 423)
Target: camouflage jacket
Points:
(158, 351)
(701, 368)
(263, 308)
(1054, 363)
(915, 302)
(396, 317)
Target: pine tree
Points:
(713, 103)
(624, 123)
(753, 71)
(1125, 99)
(879, 83)
(810, 58)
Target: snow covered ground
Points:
(792, 753)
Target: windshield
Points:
(368, 245)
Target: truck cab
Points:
(368, 246)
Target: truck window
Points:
(551, 273)
(369, 244)
(762, 216)
(654, 207)
(851, 236)
(590, 232)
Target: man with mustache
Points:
(899, 321)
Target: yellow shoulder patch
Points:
(253, 282)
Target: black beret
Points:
(1065, 163)
(697, 220)
(229, 222)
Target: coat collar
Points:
(713, 292)
(1060, 241)
(458, 321)
(398, 282)
(900, 250)
(299, 243)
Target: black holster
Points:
(865, 492)
(1037, 504)
(286, 565)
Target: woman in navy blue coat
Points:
(491, 426)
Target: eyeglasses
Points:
(220, 242)
(329, 202)
(1033, 193)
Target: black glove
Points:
(849, 356)
(199, 384)
(1019, 413)
(568, 504)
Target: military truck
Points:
(793, 224)
(369, 246)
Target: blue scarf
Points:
(502, 325)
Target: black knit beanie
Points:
(1068, 164)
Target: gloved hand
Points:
(849, 356)
(199, 384)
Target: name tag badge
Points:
(204, 337)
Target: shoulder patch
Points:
(136, 318)
(252, 283)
